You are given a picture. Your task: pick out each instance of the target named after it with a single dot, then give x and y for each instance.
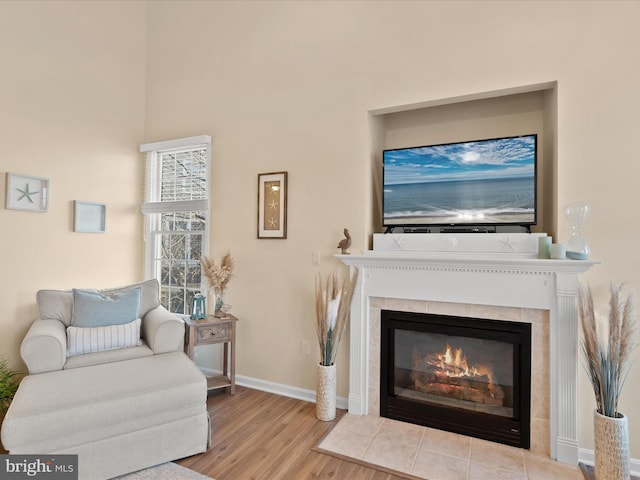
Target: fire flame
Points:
(454, 363)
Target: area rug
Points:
(166, 471)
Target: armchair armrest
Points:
(44, 348)
(163, 331)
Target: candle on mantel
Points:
(544, 247)
(558, 251)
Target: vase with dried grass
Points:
(608, 353)
(333, 306)
(218, 277)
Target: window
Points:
(176, 210)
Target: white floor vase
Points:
(612, 456)
(326, 392)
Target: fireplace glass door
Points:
(470, 373)
(465, 375)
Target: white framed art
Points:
(26, 192)
(89, 217)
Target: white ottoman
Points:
(118, 417)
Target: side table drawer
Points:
(212, 334)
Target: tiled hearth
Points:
(494, 286)
(427, 453)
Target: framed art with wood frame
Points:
(272, 205)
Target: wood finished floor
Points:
(260, 436)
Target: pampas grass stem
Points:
(218, 276)
(333, 306)
(607, 364)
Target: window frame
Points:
(153, 207)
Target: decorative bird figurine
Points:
(345, 243)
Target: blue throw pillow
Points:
(95, 309)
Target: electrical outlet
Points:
(305, 348)
(315, 257)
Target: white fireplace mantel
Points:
(481, 279)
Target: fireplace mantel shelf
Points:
(501, 279)
(467, 261)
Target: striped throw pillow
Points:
(96, 339)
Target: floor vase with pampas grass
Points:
(611, 447)
(326, 392)
(333, 305)
(607, 353)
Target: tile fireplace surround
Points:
(500, 286)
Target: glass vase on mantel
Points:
(577, 214)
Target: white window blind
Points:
(177, 175)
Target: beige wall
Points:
(289, 86)
(72, 96)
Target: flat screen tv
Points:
(482, 182)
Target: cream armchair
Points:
(44, 348)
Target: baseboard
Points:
(278, 388)
(587, 457)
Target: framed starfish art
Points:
(272, 205)
(27, 193)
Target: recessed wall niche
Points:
(515, 111)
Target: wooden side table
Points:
(209, 331)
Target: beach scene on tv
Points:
(483, 182)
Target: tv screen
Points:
(483, 182)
